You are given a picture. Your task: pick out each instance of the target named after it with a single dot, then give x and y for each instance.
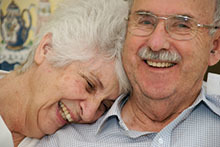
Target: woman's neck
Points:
(12, 106)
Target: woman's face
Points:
(78, 93)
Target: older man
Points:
(168, 47)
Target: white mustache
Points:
(146, 53)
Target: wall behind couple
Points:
(20, 21)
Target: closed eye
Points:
(90, 86)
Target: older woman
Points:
(73, 73)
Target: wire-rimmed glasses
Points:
(178, 27)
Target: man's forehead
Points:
(194, 8)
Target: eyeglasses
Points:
(178, 27)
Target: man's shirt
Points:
(197, 126)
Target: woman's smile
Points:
(65, 114)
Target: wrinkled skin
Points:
(160, 94)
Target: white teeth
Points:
(160, 64)
(63, 115)
(68, 116)
(64, 112)
(64, 108)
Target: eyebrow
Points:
(185, 15)
(143, 12)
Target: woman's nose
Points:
(91, 109)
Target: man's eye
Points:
(145, 21)
(183, 26)
(182, 23)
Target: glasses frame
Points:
(134, 24)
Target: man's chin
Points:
(158, 94)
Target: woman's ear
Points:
(215, 51)
(43, 48)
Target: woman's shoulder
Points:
(28, 142)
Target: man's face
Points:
(185, 76)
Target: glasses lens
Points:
(181, 28)
(142, 24)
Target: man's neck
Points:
(152, 115)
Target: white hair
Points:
(130, 3)
(81, 29)
(217, 11)
(216, 17)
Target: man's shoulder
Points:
(79, 135)
(213, 84)
(69, 135)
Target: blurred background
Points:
(20, 21)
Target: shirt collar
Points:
(115, 110)
(212, 101)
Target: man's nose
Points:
(159, 38)
(90, 109)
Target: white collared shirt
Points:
(196, 126)
(5, 135)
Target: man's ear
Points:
(43, 48)
(215, 51)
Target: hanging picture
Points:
(20, 21)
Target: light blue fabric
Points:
(197, 126)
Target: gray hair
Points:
(130, 3)
(81, 29)
(217, 11)
(216, 17)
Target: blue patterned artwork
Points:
(15, 26)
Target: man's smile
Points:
(158, 64)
